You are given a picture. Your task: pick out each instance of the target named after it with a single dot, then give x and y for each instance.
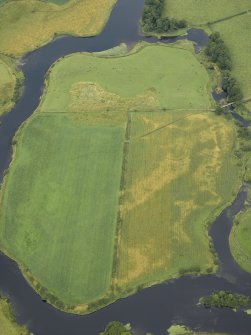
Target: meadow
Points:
(201, 12)
(165, 83)
(60, 204)
(116, 176)
(8, 326)
(34, 22)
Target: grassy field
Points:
(240, 240)
(198, 12)
(60, 205)
(177, 174)
(34, 23)
(169, 84)
(116, 176)
(8, 326)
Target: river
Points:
(153, 309)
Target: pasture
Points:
(59, 209)
(240, 240)
(34, 23)
(179, 173)
(201, 12)
(162, 76)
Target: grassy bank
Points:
(10, 83)
(34, 23)
(8, 325)
(116, 176)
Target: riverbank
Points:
(11, 82)
(8, 325)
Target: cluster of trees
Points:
(226, 299)
(219, 54)
(217, 51)
(230, 85)
(152, 20)
(116, 328)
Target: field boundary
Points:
(121, 188)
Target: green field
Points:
(60, 204)
(8, 326)
(200, 12)
(34, 22)
(170, 84)
(118, 169)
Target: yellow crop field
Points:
(34, 23)
(176, 175)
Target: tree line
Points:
(218, 53)
(152, 20)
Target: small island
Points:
(227, 299)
